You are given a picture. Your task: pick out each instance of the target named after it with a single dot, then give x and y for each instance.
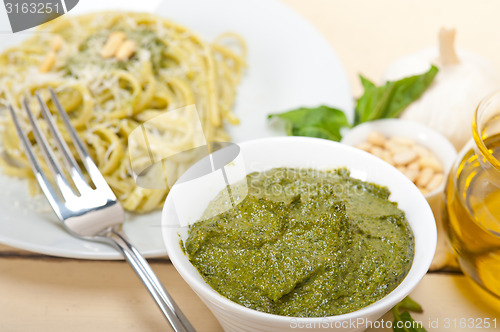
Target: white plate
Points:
(290, 65)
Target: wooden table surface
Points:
(42, 293)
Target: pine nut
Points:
(415, 165)
(126, 50)
(421, 151)
(411, 174)
(423, 191)
(405, 157)
(113, 43)
(402, 140)
(402, 169)
(365, 147)
(416, 162)
(431, 162)
(376, 138)
(424, 177)
(395, 147)
(435, 182)
(48, 62)
(56, 43)
(377, 151)
(387, 157)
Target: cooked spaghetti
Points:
(113, 71)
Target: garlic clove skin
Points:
(449, 104)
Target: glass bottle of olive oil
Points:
(473, 200)
(473, 203)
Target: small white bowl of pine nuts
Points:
(422, 154)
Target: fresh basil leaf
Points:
(367, 84)
(403, 322)
(322, 122)
(410, 305)
(389, 100)
(316, 132)
(377, 102)
(408, 90)
(373, 102)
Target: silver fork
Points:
(89, 214)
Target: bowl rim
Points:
(413, 130)
(389, 300)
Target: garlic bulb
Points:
(449, 103)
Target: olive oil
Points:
(473, 205)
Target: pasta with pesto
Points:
(112, 72)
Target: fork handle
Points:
(167, 305)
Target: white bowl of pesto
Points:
(291, 280)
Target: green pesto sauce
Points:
(304, 243)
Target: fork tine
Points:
(92, 169)
(35, 166)
(75, 171)
(61, 180)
